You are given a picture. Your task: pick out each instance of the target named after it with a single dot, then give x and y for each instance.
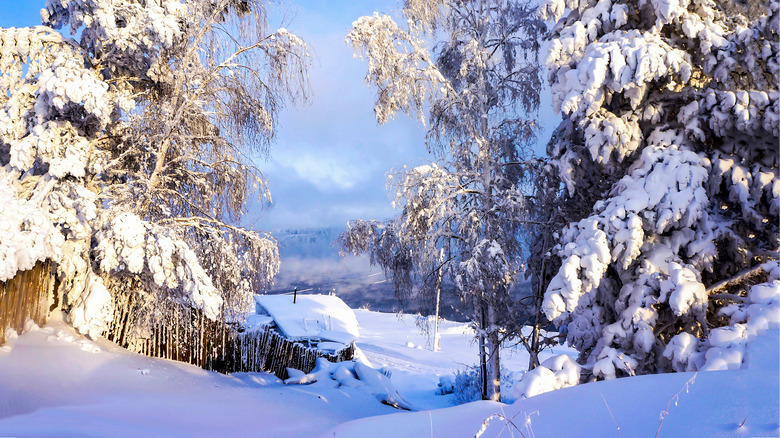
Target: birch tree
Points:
(668, 160)
(461, 214)
(134, 145)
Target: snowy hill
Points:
(55, 383)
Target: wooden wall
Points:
(26, 296)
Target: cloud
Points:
(325, 171)
(330, 158)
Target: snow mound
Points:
(557, 372)
(635, 404)
(352, 375)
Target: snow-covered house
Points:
(321, 321)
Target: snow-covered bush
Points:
(446, 384)
(122, 154)
(557, 372)
(467, 386)
(28, 235)
(665, 174)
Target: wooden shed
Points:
(324, 322)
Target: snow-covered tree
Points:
(460, 215)
(127, 151)
(665, 169)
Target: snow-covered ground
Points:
(736, 403)
(394, 341)
(55, 383)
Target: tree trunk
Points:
(494, 363)
(533, 360)
(439, 274)
(436, 335)
(483, 373)
(533, 354)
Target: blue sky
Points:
(330, 158)
(18, 13)
(329, 162)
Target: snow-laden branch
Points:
(668, 156)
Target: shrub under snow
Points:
(28, 236)
(356, 375)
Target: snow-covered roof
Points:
(326, 317)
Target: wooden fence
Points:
(183, 334)
(178, 332)
(26, 296)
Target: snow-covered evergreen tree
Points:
(666, 173)
(126, 151)
(460, 219)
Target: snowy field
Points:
(56, 383)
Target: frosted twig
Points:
(676, 398)
(507, 422)
(612, 416)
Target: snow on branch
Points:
(668, 154)
(399, 66)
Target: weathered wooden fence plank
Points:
(26, 296)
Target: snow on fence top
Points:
(311, 317)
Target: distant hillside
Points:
(316, 243)
(311, 263)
